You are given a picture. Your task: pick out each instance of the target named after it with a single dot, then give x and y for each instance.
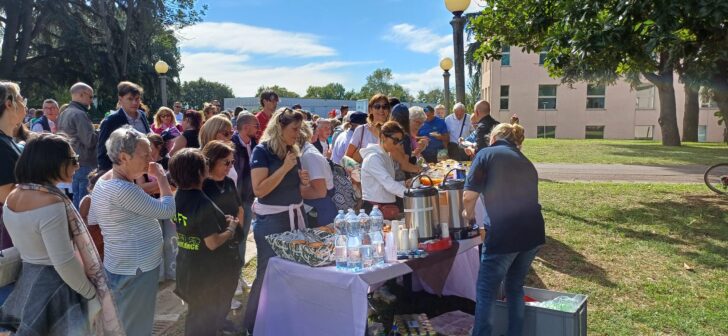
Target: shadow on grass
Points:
(563, 259)
(686, 154)
(710, 223)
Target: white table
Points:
(300, 300)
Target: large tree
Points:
(328, 91)
(381, 81)
(594, 41)
(196, 93)
(50, 44)
(279, 90)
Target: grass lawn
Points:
(638, 152)
(651, 257)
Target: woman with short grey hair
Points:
(417, 117)
(128, 218)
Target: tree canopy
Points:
(328, 91)
(381, 81)
(196, 93)
(49, 45)
(281, 91)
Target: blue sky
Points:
(249, 43)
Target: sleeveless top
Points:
(192, 137)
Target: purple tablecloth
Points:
(301, 300)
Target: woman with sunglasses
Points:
(378, 167)
(221, 190)
(12, 112)
(278, 183)
(56, 287)
(164, 119)
(218, 128)
(369, 133)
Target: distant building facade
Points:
(519, 84)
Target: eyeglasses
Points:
(178, 107)
(288, 116)
(74, 160)
(227, 134)
(397, 141)
(228, 163)
(380, 106)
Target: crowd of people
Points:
(174, 199)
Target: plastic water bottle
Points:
(340, 244)
(340, 223)
(367, 254)
(376, 218)
(353, 242)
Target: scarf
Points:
(89, 258)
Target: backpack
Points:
(344, 195)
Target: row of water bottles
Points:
(359, 241)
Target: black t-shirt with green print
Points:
(197, 217)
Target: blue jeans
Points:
(80, 183)
(136, 298)
(494, 268)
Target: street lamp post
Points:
(446, 65)
(161, 68)
(457, 7)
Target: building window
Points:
(707, 102)
(546, 97)
(645, 96)
(546, 131)
(644, 132)
(504, 97)
(542, 57)
(594, 132)
(702, 133)
(506, 56)
(595, 96)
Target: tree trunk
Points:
(125, 39)
(692, 113)
(668, 113)
(10, 40)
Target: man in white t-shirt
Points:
(458, 125)
(178, 114)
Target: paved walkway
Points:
(170, 309)
(620, 173)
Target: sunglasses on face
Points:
(227, 134)
(397, 141)
(228, 163)
(74, 160)
(380, 106)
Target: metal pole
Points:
(163, 80)
(458, 23)
(446, 76)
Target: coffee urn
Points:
(422, 209)
(453, 190)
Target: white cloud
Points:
(245, 78)
(246, 39)
(427, 80)
(421, 40)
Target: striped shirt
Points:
(128, 220)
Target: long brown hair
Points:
(273, 134)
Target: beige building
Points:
(519, 84)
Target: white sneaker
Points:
(235, 304)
